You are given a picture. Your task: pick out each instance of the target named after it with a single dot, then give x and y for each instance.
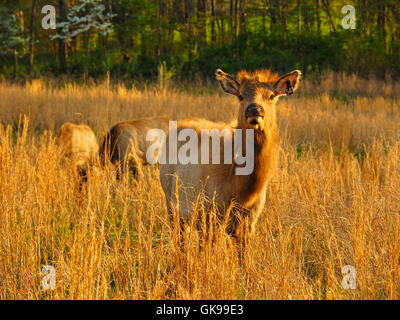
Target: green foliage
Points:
(195, 37)
(11, 39)
(164, 75)
(86, 15)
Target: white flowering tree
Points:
(11, 36)
(86, 15)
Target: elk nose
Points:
(254, 110)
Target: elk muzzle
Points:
(254, 114)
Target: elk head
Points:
(258, 93)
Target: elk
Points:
(238, 198)
(125, 144)
(79, 145)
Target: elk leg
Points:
(240, 229)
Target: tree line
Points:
(188, 38)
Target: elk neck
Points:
(265, 155)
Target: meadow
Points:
(334, 201)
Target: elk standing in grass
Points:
(125, 145)
(79, 145)
(237, 197)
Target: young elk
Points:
(79, 145)
(125, 144)
(237, 197)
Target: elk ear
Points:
(287, 84)
(227, 82)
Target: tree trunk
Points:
(62, 50)
(158, 49)
(15, 63)
(220, 21)
(318, 17)
(178, 15)
(263, 23)
(299, 17)
(283, 18)
(201, 22)
(236, 18)
(242, 10)
(273, 16)
(213, 37)
(189, 10)
(119, 21)
(231, 24)
(381, 18)
(31, 40)
(328, 13)
(242, 26)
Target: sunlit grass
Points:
(334, 201)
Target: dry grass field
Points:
(335, 200)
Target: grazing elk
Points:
(237, 197)
(79, 145)
(125, 144)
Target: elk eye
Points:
(271, 97)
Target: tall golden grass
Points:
(335, 200)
